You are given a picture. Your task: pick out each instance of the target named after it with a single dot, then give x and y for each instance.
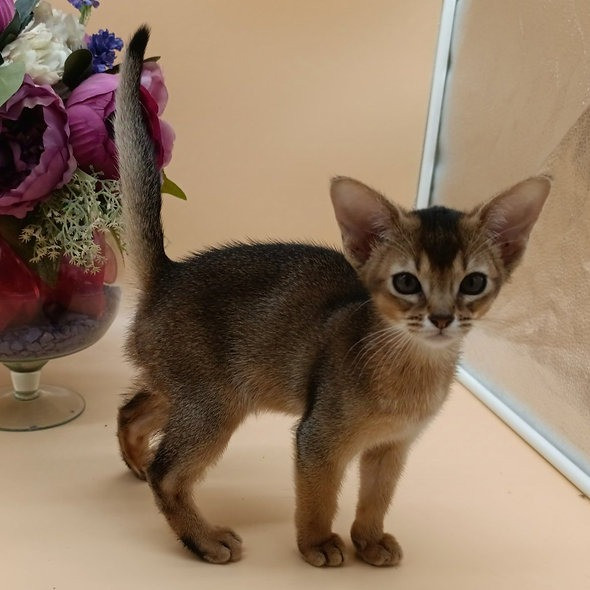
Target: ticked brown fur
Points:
(362, 346)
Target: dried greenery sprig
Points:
(66, 223)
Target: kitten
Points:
(363, 346)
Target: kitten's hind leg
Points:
(194, 439)
(140, 418)
(380, 469)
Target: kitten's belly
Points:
(386, 431)
(261, 390)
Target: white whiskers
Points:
(387, 342)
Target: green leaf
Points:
(77, 68)
(25, 9)
(11, 78)
(11, 32)
(23, 14)
(171, 188)
(48, 270)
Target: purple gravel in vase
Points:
(70, 333)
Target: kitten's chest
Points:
(400, 413)
(418, 401)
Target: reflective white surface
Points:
(518, 82)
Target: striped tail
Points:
(139, 174)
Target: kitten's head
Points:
(432, 272)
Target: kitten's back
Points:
(277, 304)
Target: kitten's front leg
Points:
(380, 469)
(318, 477)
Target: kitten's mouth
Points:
(439, 338)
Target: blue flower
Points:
(103, 45)
(79, 4)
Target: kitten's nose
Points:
(441, 321)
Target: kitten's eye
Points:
(473, 284)
(406, 283)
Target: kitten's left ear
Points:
(365, 217)
(510, 216)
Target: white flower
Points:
(65, 27)
(45, 44)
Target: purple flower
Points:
(91, 108)
(6, 13)
(103, 45)
(79, 4)
(152, 80)
(35, 153)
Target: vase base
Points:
(53, 406)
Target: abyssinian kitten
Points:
(362, 346)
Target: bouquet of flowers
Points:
(60, 210)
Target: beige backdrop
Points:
(269, 99)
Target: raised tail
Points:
(138, 169)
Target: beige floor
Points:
(477, 508)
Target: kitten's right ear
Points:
(365, 217)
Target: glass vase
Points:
(41, 321)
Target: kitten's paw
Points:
(327, 553)
(220, 545)
(384, 552)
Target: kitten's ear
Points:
(365, 217)
(510, 216)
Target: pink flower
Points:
(162, 133)
(6, 13)
(91, 108)
(35, 154)
(152, 80)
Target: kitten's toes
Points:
(219, 545)
(327, 553)
(384, 552)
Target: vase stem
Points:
(26, 377)
(26, 385)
